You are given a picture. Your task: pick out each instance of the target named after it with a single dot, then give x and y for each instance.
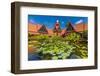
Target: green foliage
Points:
(73, 37)
(57, 47)
(80, 45)
(85, 35)
(81, 51)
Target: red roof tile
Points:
(81, 27)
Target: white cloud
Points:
(80, 21)
(32, 21)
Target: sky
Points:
(49, 20)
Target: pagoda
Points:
(43, 30)
(70, 28)
(57, 29)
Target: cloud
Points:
(31, 21)
(80, 21)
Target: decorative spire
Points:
(57, 21)
(57, 27)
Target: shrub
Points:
(57, 47)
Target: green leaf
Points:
(54, 57)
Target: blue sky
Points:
(49, 20)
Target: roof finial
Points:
(57, 21)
